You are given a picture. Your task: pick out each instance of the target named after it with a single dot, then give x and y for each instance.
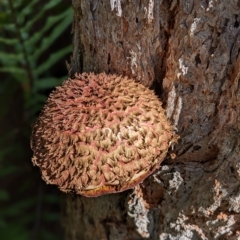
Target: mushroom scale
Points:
(100, 134)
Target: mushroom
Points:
(100, 134)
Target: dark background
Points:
(35, 42)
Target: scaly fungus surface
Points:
(100, 134)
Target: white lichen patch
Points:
(174, 106)
(175, 182)
(150, 11)
(194, 25)
(210, 5)
(177, 112)
(234, 204)
(133, 58)
(171, 102)
(116, 4)
(139, 213)
(189, 229)
(134, 61)
(183, 68)
(223, 224)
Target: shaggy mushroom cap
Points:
(100, 134)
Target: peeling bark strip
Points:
(190, 53)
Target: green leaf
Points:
(49, 24)
(51, 217)
(9, 41)
(57, 31)
(51, 4)
(17, 3)
(11, 27)
(47, 83)
(14, 231)
(46, 235)
(18, 207)
(28, 8)
(36, 103)
(4, 18)
(11, 56)
(54, 57)
(12, 70)
(4, 152)
(7, 170)
(51, 198)
(36, 98)
(35, 110)
(3, 195)
(40, 14)
(9, 135)
(3, 223)
(18, 73)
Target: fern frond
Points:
(54, 57)
(22, 62)
(57, 31)
(49, 82)
(13, 70)
(9, 57)
(28, 30)
(9, 41)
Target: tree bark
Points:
(188, 51)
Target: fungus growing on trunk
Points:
(100, 134)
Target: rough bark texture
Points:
(188, 50)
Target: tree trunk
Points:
(188, 51)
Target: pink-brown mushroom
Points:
(100, 134)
